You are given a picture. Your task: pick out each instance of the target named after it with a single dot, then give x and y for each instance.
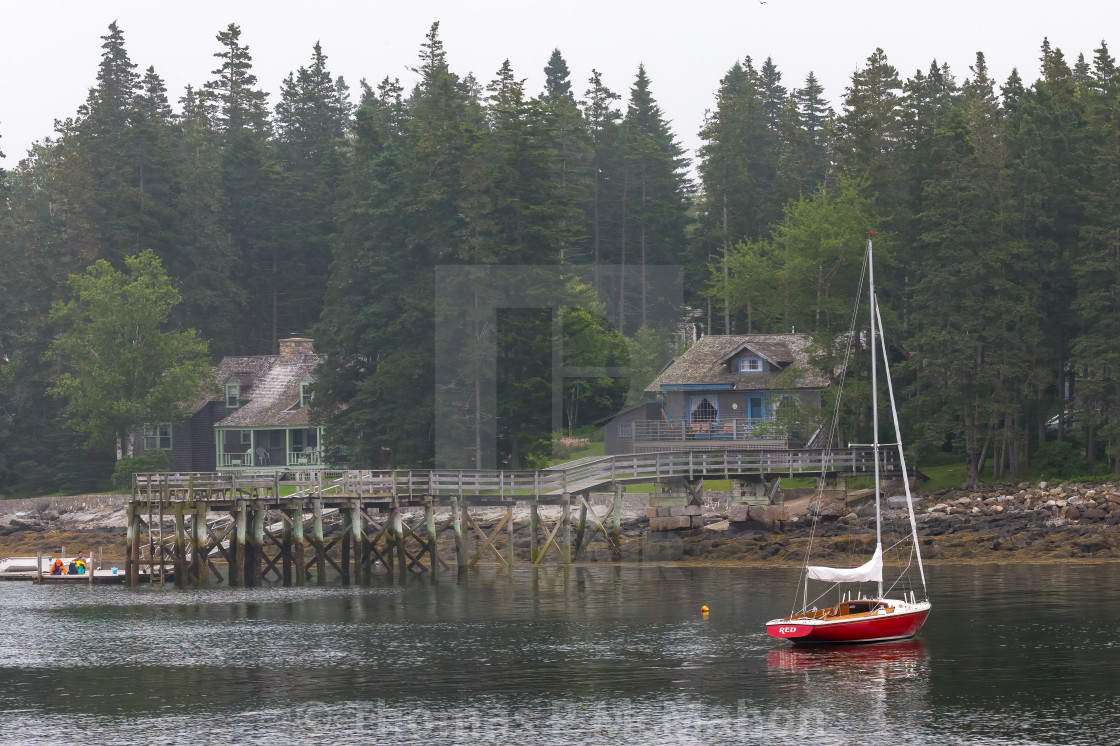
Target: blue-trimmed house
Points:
(726, 391)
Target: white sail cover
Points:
(870, 571)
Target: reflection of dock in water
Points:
(257, 525)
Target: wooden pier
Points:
(247, 528)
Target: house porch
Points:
(269, 449)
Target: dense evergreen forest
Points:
(997, 206)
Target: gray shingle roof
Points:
(706, 363)
(270, 389)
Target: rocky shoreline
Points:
(993, 523)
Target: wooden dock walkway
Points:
(260, 525)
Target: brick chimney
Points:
(296, 346)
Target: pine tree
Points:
(557, 82)
(868, 133)
(565, 136)
(407, 210)
(603, 130)
(154, 136)
(368, 313)
(237, 105)
(103, 146)
(732, 133)
(312, 121)
(929, 99)
(815, 117)
(204, 258)
(814, 109)
(773, 92)
(799, 169)
(251, 185)
(1104, 77)
(1048, 168)
(655, 186)
(1098, 282)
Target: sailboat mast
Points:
(874, 401)
(901, 451)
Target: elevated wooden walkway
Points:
(189, 520)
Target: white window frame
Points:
(626, 429)
(747, 365)
(305, 394)
(235, 388)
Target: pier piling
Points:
(299, 545)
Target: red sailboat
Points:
(856, 617)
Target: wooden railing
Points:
(305, 459)
(576, 476)
(742, 428)
(235, 459)
(300, 459)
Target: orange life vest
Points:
(58, 568)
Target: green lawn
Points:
(593, 449)
(946, 475)
(954, 475)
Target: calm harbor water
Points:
(1011, 655)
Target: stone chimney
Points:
(296, 346)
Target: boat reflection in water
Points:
(903, 659)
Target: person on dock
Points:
(78, 565)
(58, 567)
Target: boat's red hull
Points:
(878, 628)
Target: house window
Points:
(246, 437)
(305, 440)
(233, 393)
(703, 409)
(750, 365)
(158, 437)
(626, 429)
(304, 394)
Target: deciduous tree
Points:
(122, 367)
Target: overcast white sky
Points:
(49, 51)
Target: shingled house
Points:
(726, 391)
(254, 419)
